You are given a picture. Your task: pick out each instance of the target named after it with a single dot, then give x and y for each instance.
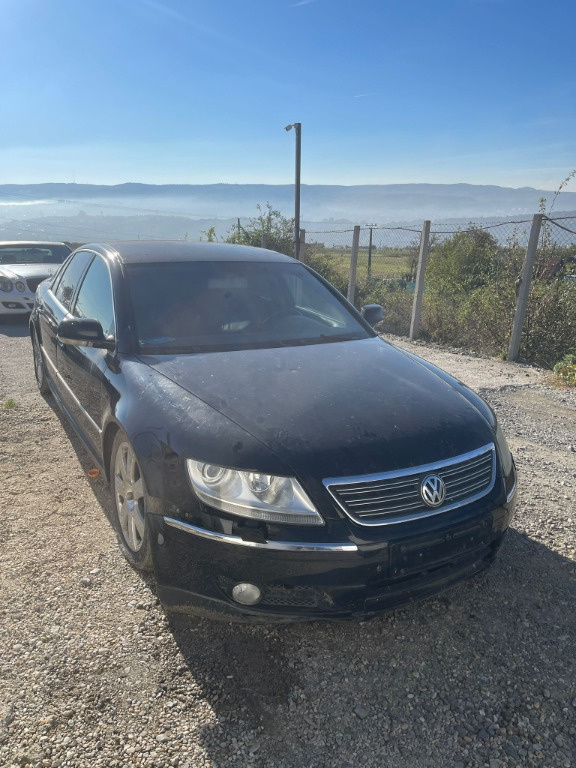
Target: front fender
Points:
(167, 425)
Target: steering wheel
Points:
(284, 312)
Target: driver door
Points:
(85, 369)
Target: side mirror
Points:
(372, 313)
(83, 332)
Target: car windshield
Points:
(208, 306)
(33, 254)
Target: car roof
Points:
(143, 251)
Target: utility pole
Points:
(298, 131)
(370, 227)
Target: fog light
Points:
(247, 594)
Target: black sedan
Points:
(269, 455)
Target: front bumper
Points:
(196, 569)
(19, 304)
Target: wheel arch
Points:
(34, 330)
(110, 432)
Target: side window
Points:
(64, 291)
(95, 296)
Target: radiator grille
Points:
(34, 282)
(394, 497)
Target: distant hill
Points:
(81, 212)
(379, 202)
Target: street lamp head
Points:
(289, 127)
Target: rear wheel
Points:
(39, 371)
(131, 504)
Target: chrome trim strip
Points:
(72, 395)
(423, 469)
(284, 546)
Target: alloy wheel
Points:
(129, 495)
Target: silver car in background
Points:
(23, 266)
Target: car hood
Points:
(335, 409)
(14, 271)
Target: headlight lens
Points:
(5, 284)
(20, 286)
(256, 495)
(504, 451)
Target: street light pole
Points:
(298, 131)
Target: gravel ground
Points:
(92, 672)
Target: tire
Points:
(39, 371)
(132, 504)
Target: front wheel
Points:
(131, 504)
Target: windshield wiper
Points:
(322, 339)
(338, 337)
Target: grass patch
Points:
(9, 403)
(385, 263)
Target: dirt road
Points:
(93, 674)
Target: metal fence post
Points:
(353, 264)
(302, 246)
(371, 227)
(524, 288)
(419, 289)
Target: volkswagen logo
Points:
(433, 490)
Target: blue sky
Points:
(387, 91)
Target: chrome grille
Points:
(34, 282)
(394, 497)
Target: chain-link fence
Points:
(549, 324)
(561, 231)
(386, 263)
(472, 281)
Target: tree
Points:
(465, 286)
(268, 230)
(466, 261)
(210, 234)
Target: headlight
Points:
(504, 451)
(20, 286)
(5, 284)
(255, 495)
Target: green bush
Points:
(326, 266)
(480, 320)
(469, 299)
(566, 370)
(549, 331)
(269, 229)
(466, 261)
(471, 296)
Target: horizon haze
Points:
(78, 213)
